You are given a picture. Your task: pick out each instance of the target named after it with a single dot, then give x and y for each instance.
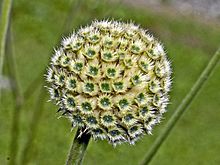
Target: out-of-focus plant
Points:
(184, 105)
(111, 79)
(4, 26)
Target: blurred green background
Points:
(38, 26)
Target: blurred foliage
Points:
(39, 25)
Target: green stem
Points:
(17, 96)
(78, 148)
(182, 107)
(4, 24)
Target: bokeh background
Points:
(190, 31)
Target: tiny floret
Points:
(112, 79)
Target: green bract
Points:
(111, 78)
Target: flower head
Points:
(111, 78)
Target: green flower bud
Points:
(112, 78)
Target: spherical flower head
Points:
(112, 79)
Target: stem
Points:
(182, 107)
(17, 96)
(78, 148)
(4, 24)
(5, 19)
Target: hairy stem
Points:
(183, 107)
(78, 147)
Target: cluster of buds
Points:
(112, 79)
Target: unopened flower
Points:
(112, 79)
